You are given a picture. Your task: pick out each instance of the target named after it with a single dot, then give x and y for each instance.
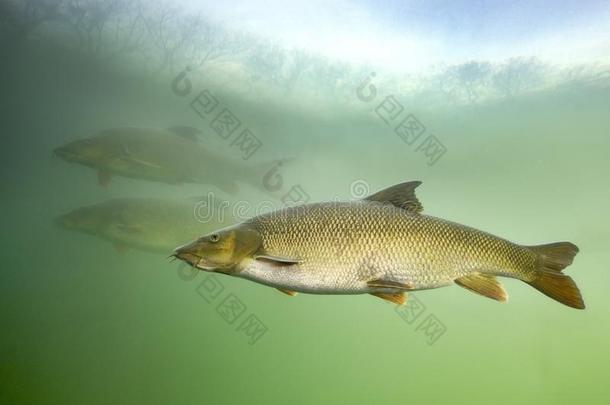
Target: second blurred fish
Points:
(172, 155)
(148, 224)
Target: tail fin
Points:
(556, 256)
(549, 280)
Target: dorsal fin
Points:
(187, 132)
(401, 195)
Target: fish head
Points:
(83, 219)
(89, 151)
(221, 251)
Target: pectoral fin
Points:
(141, 162)
(287, 292)
(279, 260)
(128, 157)
(483, 284)
(380, 283)
(399, 298)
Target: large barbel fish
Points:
(382, 245)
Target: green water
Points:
(85, 324)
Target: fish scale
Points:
(342, 246)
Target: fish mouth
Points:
(193, 259)
(65, 154)
(187, 257)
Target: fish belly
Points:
(343, 277)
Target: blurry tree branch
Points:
(21, 18)
(517, 74)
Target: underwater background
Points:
(502, 110)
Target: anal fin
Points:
(398, 298)
(484, 285)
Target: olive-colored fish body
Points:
(340, 247)
(381, 245)
(172, 155)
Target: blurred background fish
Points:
(147, 224)
(172, 155)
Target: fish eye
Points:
(214, 237)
